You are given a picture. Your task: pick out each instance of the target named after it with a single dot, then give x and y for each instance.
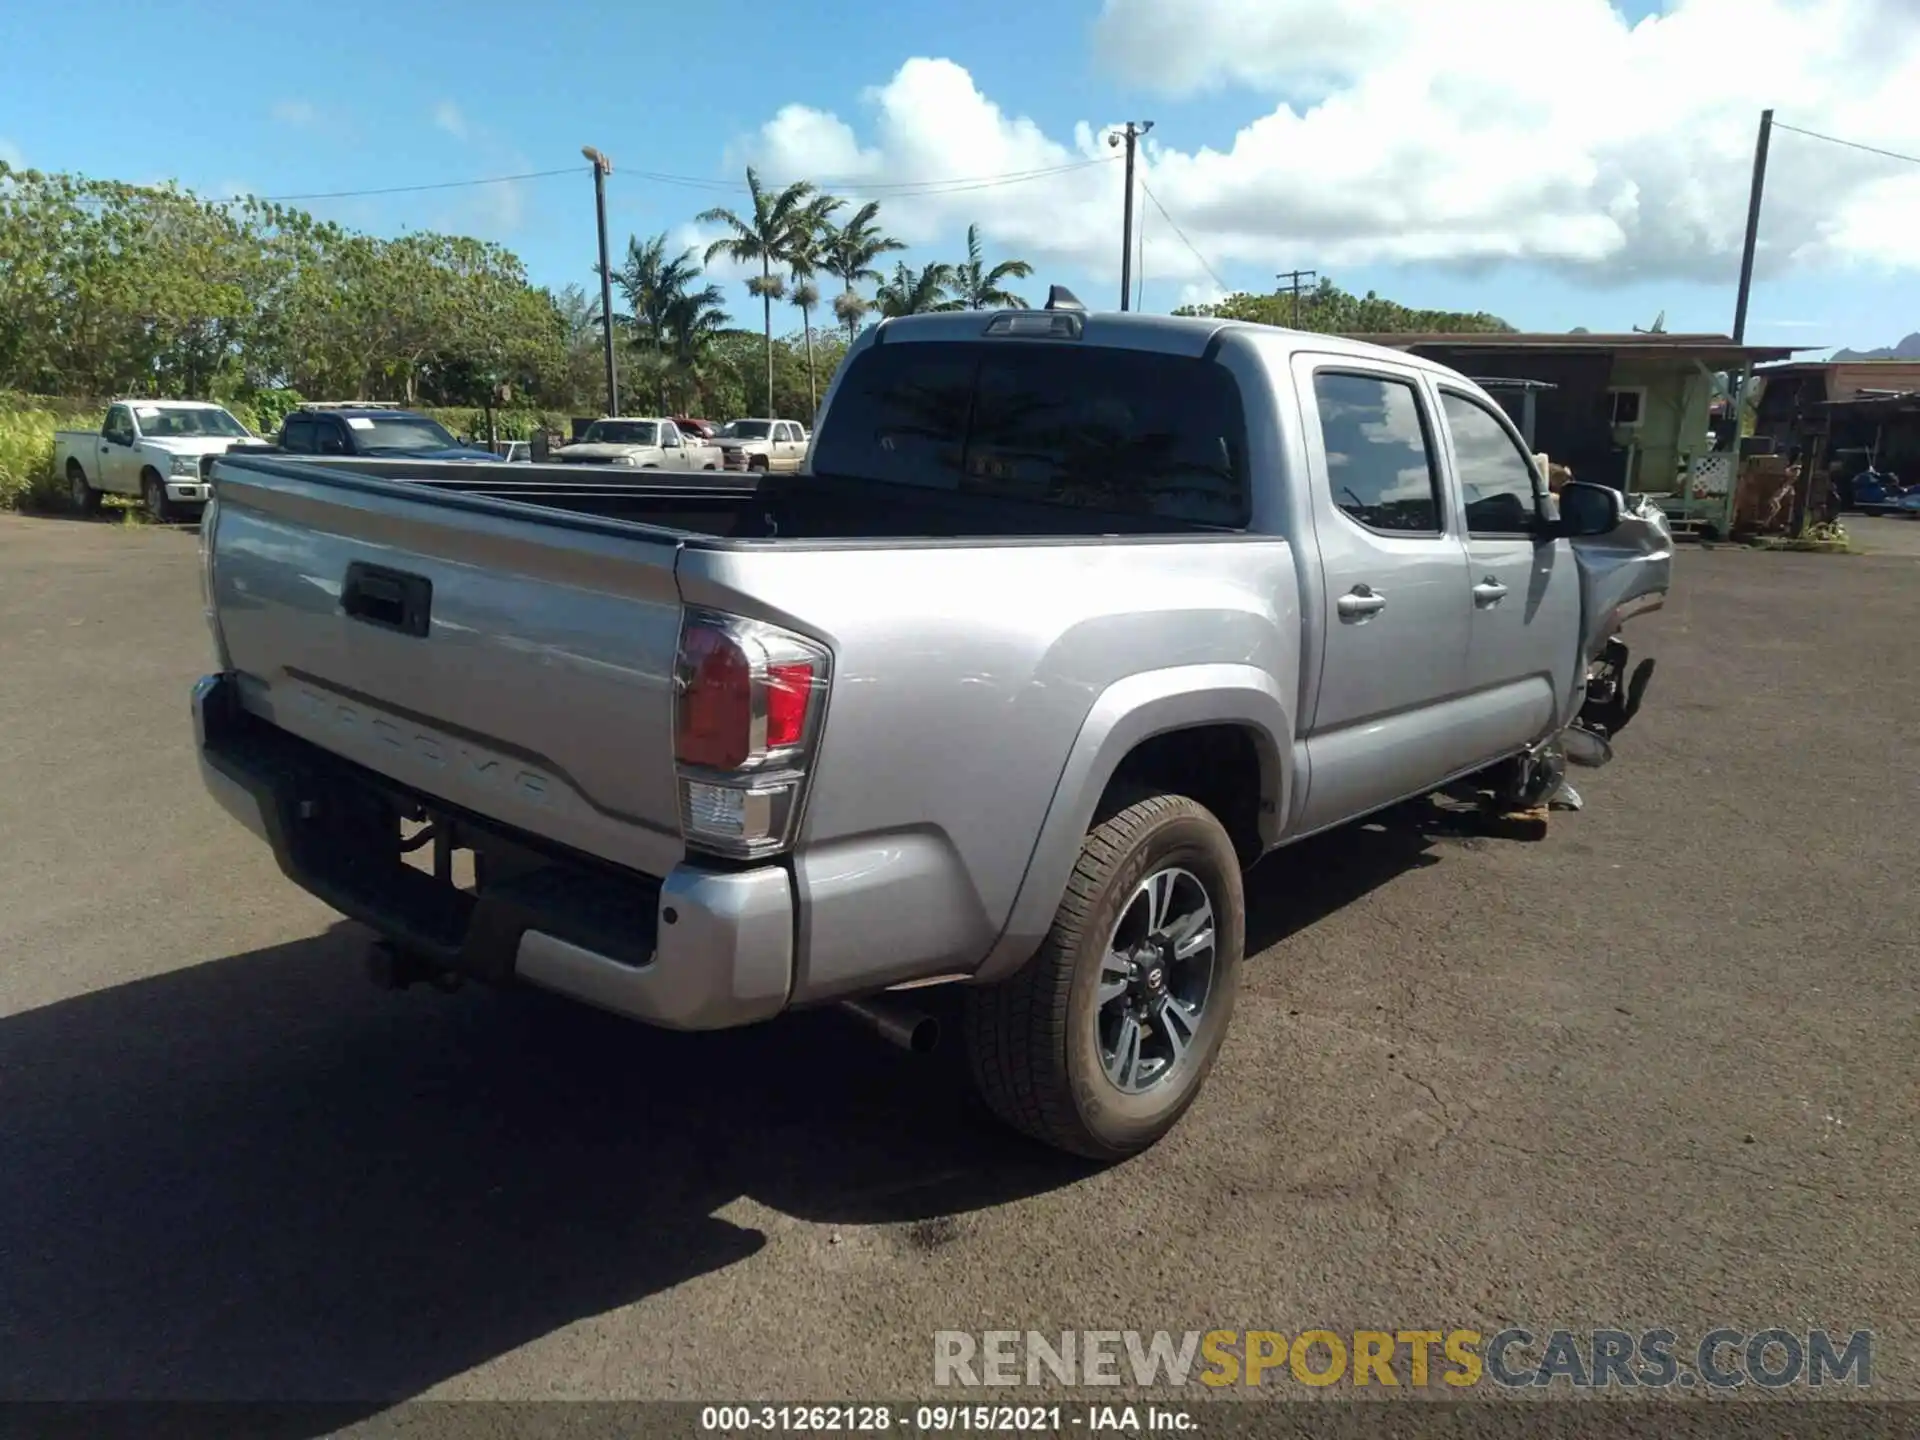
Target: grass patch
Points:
(1826, 538)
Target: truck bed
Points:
(714, 505)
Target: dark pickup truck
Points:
(370, 431)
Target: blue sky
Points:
(270, 101)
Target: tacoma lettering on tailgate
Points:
(419, 744)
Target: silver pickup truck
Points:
(1067, 619)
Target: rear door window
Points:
(1379, 453)
(1092, 428)
(297, 436)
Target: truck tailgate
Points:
(512, 661)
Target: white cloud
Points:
(1203, 293)
(10, 155)
(447, 117)
(301, 114)
(1455, 132)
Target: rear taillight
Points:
(748, 703)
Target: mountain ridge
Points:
(1907, 349)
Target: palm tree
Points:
(765, 235)
(921, 292)
(659, 292)
(980, 288)
(695, 321)
(851, 250)
(806, 256)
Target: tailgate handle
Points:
(390, 599)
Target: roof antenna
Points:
(1061, 298)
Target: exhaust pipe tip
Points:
(908, 1029)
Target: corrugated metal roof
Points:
(1693, 346)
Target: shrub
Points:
(27, 481)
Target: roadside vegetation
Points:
(109, 289)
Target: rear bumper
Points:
(699, 949)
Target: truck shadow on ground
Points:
(261, 1179)
(1301, 885)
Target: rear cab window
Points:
(1095, 428)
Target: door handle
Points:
(1360, 602)
(1489, 592)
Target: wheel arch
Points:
(1222, 729)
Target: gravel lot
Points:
(1656, 1069)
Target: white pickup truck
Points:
(778, 446)
(160, 450)
(643, 444)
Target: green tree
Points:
(806, 257)
(576, 386)
(765, 234)
(1328, 310)
(695, 323)
(672, 310)
(984, 288)
(918, 292)
(851, 250)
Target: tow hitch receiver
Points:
(390, 967)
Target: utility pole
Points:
(1293, 278)
(1131, 137)
(1753, 226)
(603, 167)
(1746, 289)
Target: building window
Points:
(1629, 406)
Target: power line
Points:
(409, 189)
(1211, 272)
(953, 185)
(1850, 144)
(346, 194)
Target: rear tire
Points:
(153, 491)
(1048, 1046)
(86, 499)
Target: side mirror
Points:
(1587, 509)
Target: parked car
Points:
(1875, 490)
(777, 446)
(701, 429)
(998, 695)
(646, 444)
(370, 431)
(159, 450)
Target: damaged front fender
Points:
(1624, 573)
